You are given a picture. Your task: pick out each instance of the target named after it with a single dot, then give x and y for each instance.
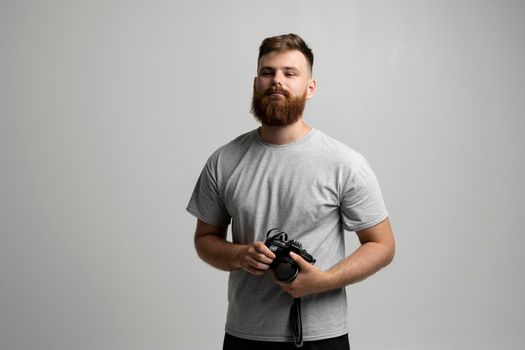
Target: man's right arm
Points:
(213, 248)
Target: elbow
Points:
(390, 252)
(199, 245)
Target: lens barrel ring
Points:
(286, 269)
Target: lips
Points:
(277, 92)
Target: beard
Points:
(277, 111)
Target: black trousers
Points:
(234, 343)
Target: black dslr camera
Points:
(286, 269)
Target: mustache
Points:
(276, 89)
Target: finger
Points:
(259, 265)
(252, 265)
(258, 261)
(263, 258)
(260, 247)
(303, 264)
(254, 254)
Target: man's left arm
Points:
(376, 251)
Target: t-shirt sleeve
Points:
(206, 203)
(362, 204)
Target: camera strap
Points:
(296, 323)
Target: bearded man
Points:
(288, 175)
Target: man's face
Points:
(281, 88)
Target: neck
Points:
(281, 135)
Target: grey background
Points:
(109, 110)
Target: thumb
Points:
(303, 264)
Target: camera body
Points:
(286, 269)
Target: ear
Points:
(311, 89)
(254, 83)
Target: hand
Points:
(256, 258)
(310, 279)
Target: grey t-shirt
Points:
(313, 189)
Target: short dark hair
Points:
(286, 42)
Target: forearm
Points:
(213, 248)
(366, 260)
(369, 258)
(219, 253)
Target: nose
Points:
(278, 78)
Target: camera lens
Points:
(286, 270)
